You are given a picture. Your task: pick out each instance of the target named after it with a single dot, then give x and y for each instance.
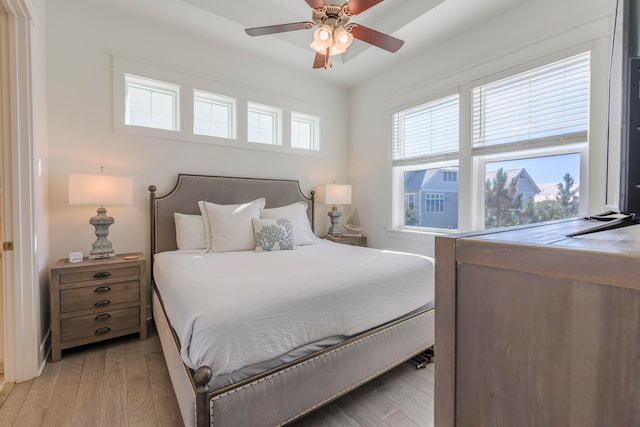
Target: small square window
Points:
(305, 131)
(263, 124)
(151, 103)
(214, 115)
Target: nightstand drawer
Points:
(102, 274)
(98, 296)
(98, 325)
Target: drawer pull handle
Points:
(102, 303)
(102, 289)
(102, 274)
(104, 316)
(102, 331)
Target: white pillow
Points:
(273, 235)
(297, 214)
(230, 227)
(189, 231)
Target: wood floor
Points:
(124, 382)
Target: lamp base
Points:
(102, 247)
(334, 230)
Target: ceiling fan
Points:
(334, 33)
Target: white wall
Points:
(81, 136)
(529, 32)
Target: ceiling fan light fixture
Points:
(342, 38)
(323, 36)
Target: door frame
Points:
(19, 274)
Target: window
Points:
(410, 201)
(425, 152)
(434, 203)
(545, 102)
(305, 131)
(449, 176)
(521, 126)
(526, 154)
(151, 103)
(263, 124)
(214, 115)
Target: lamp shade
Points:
(110, 190)
(334, 194)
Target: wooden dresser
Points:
(94, 300)
(537, 329)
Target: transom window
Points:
(263, 124)
(305, 131)
(151, 103)
(214, 115)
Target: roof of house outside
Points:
(513, 174)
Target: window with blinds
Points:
(547, 102)
(528, 137)
(425, 158)
(426, 131)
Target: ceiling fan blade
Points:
(315, 4)
(376, 38)
(355, 7)
(319, 60)
(282, 28)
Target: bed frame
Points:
(287, 393)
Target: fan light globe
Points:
(322, 38)
(342, 39)
(323, 34)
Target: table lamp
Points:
(111, 190)
(334, 194)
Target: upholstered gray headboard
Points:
(190, 189)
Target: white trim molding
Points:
(20, 279)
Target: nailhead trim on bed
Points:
(339, 349)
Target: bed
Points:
(261, 335)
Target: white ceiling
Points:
(420, 23)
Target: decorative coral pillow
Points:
(273, 234)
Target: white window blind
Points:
(425, 131)
(546, 102)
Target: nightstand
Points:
(348, 240)
(95, 300)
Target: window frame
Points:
(270, 111)
(189, 82)
(222, 100)
(314, 122)
(154, 86)
(471, 160)
(430, 201)
(434, 161)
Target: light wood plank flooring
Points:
(124, 382)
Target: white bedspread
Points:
(235, 309)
